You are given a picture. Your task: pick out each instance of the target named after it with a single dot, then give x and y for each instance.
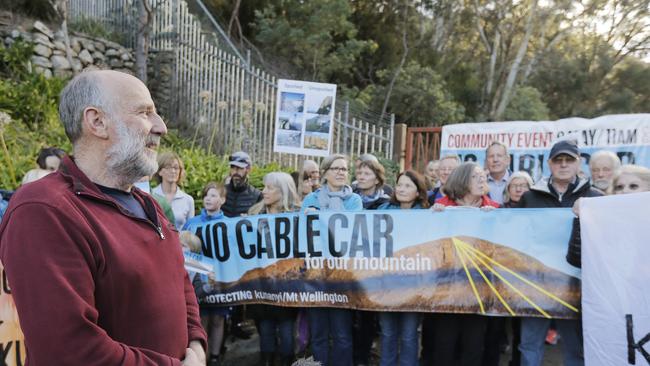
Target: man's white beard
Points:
(129, 159)
(602, 184)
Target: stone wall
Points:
(88, 53)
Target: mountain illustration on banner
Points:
(465, 275)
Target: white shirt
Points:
(498, 187)
(182, 205)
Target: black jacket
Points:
(543, 195)
(240, 199)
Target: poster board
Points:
(304, 117)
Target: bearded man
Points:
(95, 268)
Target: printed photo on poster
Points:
(304, 121)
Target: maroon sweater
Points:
(94, 285)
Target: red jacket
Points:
(92, 284)
(485, 201)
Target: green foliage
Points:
(526, 105)
(315, 37)
(202, 167)
(94, 28)
(30, 98)
(419, 97)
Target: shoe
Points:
(214, 361)
(239, 332)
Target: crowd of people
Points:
(96, 265)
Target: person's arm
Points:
(195, 331)
(51, 262)
(191, 208)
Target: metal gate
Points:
(422, 146)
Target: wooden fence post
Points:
(399, 145)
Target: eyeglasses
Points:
(480, 178)
(177, 168)
(339, 169)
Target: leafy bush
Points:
(94, 28)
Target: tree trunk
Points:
(142, 40)
(516, 64)
(62, 6)
(399, 67)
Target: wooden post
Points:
(399, 145)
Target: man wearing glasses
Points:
(562, 189)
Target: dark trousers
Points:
(459, 339)
(428, 328)
(495, 336)
(364, 332)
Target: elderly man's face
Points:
(564, 168)
(602, 172)
(137, 129)
(497, 160)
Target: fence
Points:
(227, 103)
(422, 146)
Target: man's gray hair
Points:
(600, 154)
(496, 143)
(81, 92)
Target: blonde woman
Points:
(170, 175)
(278, 196)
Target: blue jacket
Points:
(202, 218)
(352, 203)
(392, 206)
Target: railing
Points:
(226, 103)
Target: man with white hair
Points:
(96, 270)
(603, 164)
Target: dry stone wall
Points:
(88, 53)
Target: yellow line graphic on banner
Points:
(469, 277)
(496, 273)
(469, 252)
(489, 283)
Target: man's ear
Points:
(95, 122)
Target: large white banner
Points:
(615, 278)
(304, 117)
(530, 142)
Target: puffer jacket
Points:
(543, 195)
(240, 199)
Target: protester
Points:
(432, 173)
(399, 330)
(240, 194)
(212, 316)
(240, 197)
(497, 161)
(603, 164)
(48, 161)
(334, 195)
(518, 184)
(143, 185)
(309, 179)
(464, 187)
(562, 189)
(370, 181)
(112, 290)
(279, 196)
(368, 157)
(447, 165)
(170, 175)
(631, 179)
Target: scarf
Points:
(379, 193)
(333, 200)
